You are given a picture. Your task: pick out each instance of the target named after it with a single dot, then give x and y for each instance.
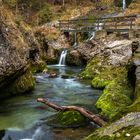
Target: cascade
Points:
(92, 35)
(62, 59)
(75, 41)
(124, 4)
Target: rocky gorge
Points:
(18, 51)
(112, 65)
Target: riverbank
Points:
(69, 91)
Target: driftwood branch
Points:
(83, 111)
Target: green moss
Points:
(67, 119)
(117, 92)
(107, 74)
(91, 69)
(115, 98)
(96, 137)
(11, 3)
(133, 131)
(38, 67)
(135, 107)
(45, 14)
(71, 117)
(20, 85)
(99, 82)
(23, 83)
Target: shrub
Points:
(45, 15)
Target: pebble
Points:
(127, 135)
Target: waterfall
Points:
(75, 41)
(124, 4)
(62, 59)
(92, 35)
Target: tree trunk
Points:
(83, 111)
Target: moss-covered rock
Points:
(114, 80)
(92, 69)
(126, 128)
(135, 106)
(39, 67)
(127, 133)
(67, 119)
(117, 90)
(23, 83)
(16, 43)
(115, 98)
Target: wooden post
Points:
(131, 24)
(68, 24)
(115, 20)
(59, 25)
(98, 24)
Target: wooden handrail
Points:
(132, 16)
(98, 22)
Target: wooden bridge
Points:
(110, 24)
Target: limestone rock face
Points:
(108, 70)
(14, 55)
(136, 60)
(73, 58)
(89, 49)
(132, 119)
(119, 51)
(55, 47)
(127, 126)
(53, 42)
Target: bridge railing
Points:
(121, 22)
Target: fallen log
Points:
(96, 119)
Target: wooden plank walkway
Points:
(110, 24)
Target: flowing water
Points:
(124, 4)
(62, 59)
(22, 118)
(75, 45)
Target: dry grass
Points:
(50, 33)
(73, 12)
(134, 8)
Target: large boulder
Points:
(118, 51)
(109, 71)
(67, 119)
(15, 55)
(127, 128)
(74, 59)
(136, 59)
(89, 49)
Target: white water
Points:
(62, 60)
(75, 41)
(93, 34)
(124, 4)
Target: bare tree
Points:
(63, 2)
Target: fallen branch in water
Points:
(83, 111)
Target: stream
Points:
(22, 118)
